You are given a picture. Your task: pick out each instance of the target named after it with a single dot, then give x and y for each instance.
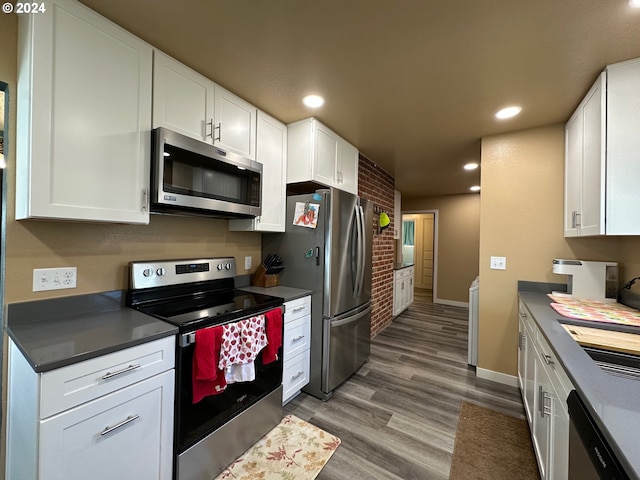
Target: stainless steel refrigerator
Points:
(327, 248)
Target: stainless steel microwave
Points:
(192, 177)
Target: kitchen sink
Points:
(616, 363)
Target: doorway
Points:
(419, 247)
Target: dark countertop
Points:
(613, 402)
(400, 266)
(288, 293)
(57, 332)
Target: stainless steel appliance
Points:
(327, 248)
(590, 458)
(192, 177)
(589, 280)
(194, 295)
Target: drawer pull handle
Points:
(129, 419)
(297, 309)
(300, 337)
(120, 372)
(297, 375)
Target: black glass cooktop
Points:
(204, 309)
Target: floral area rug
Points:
(293, 450)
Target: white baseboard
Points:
(497, 377)
(453, 303)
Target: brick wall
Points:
(377, 185)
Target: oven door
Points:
(590, 458)
(196, 421)
(189, 174)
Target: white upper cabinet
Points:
(318, 154)
(271, 151)
(602, 170)
(397, 214)
(193, 105)
(182, 99)
(234, 123)
(84, 117)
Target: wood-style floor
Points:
(397, 416)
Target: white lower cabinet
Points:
(296, 343)
(123, 435)
(104, 418)
(402, 289)
(545, 387)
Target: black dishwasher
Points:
(590, 457)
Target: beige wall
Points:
(458, 241)
(522, 219)
(100, 251)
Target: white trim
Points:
(453, 303)
(498, 377)
(436, 214)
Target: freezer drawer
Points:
(347, 341)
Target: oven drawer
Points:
(297, 335)
(75, 384)
(297, 308)
(295, 375)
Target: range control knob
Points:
(228, 266)
(220, 266)
(160, 272)
(148, 272)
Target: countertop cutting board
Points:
(605, 339)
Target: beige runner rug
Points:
(493, 446)
(293, 450)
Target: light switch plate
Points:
(498, 263)
(247, 263)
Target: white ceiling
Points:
(413, 84)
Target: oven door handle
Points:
(187, 339)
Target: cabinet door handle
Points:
(219, 128)
(205, 129)
(578, 219)
(299, 337)
(120, 372)
(109, 429)
(523, 315)
(548, 359)
(540, 400)
(546, 404)
(298, 309)
(297, 375)
(145, 199)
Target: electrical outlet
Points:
(247, 263)
(54, 278)
(498, 263)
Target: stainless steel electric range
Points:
(198, 294)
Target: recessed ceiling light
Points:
(475, 188)
(634, 3)
(471, 166)
(313, 101)
(508, 112)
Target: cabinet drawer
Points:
(297, 308)
(297, 336)
(557, 375)
(295, 375)
(126, 435)
(70, 386)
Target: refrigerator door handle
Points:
(359, 248)
(363, 251)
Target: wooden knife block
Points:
(261, 279)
